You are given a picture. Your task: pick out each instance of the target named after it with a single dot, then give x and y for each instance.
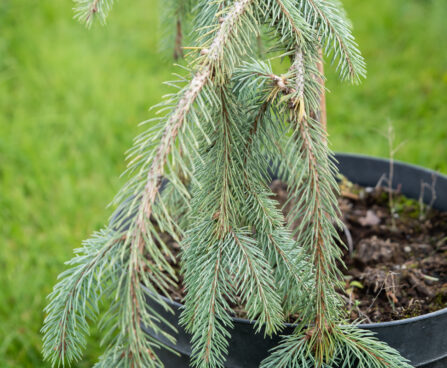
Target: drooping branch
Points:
(333, 28)
(321, 338)
(135, 241)
(173, 125)
(208, 63)
(72, 301)
(316, 228)
(222, 223)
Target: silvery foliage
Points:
(229, 119)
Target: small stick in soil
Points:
(389, 180)
(386, 287)
(348, 239)
(425, 209)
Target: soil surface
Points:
(396, 264)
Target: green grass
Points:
(403, 43)
(70, 101)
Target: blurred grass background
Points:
(70, 101)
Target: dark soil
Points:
(395, 269)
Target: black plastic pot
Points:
(423, 339)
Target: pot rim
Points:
(362, 325)
(386, 160)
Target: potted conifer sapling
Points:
(200, 175)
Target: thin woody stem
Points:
(178, 51)
(170, 133)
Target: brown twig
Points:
(178, 50)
